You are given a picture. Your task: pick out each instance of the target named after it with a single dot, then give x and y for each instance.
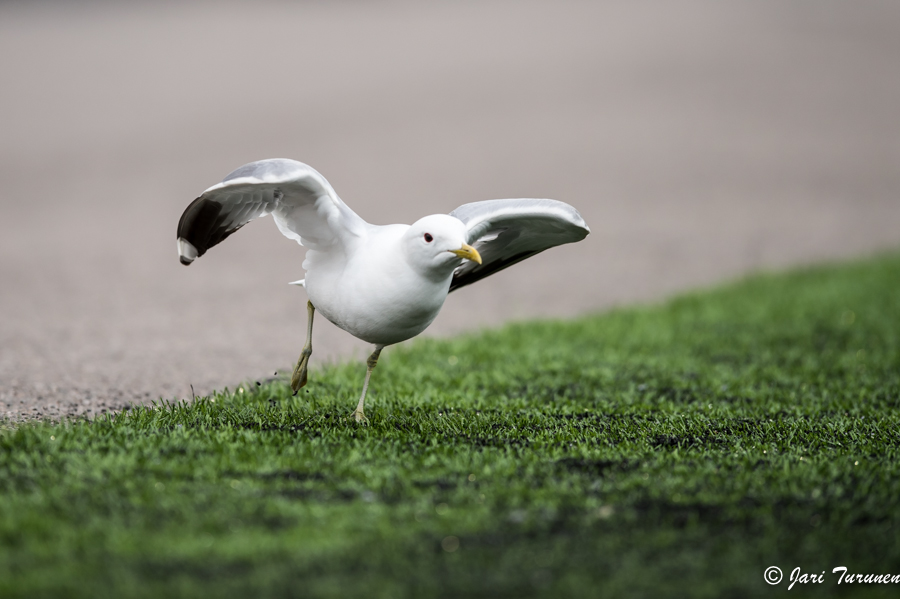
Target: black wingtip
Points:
(202, 225)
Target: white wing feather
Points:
(303, 203)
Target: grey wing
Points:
(508, 231)
(303, 203)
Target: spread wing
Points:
(508, 231)
(304, 205)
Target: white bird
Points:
(381, 284)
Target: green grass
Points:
(673, 450)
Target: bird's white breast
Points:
(372, 292)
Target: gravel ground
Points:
(699, 140)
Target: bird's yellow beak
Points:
(467, 252)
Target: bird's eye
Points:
(428, 237)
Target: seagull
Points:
(381, 283)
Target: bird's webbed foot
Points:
(301, 371)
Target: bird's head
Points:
(435, 245)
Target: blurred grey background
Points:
(700, 140)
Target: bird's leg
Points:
(358, 414)
(298, 378)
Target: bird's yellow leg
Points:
(298, 378)
(358, 413)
